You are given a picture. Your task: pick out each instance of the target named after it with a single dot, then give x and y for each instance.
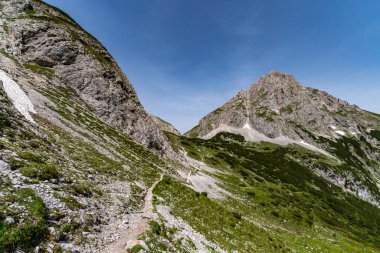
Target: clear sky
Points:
(187, 57)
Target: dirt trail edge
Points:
(138, 225)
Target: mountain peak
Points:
(278, 106)
(275, 73)
(278, 79)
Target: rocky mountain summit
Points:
(42, 48)
(278, 106)
(278, 109)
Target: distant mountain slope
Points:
(277, 105)
(278, 109)
(164, 126)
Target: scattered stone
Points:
(134, 243)
(9, 220)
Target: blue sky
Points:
(186, 58)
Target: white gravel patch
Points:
(251, 134)
(204, 183)
(18, 97)
(340, 132)
(186, 231)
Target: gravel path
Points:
(137, 225)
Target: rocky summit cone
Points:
(279, 106)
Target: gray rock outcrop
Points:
(164, 125)
(44, 40)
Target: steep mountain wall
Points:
(49, 49)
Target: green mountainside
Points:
(83, 167)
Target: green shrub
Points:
(41, 172)
(155, 227)
(236, 215)
(275, 214)
(297, 215)
(16, 164)
(167, 180)
(82, 189)
(70, 202)
(71, 226)
(310, 220)
(251, 193)
(136, 248)
(32, 157)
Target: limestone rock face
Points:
(50, 49)
(278, 106)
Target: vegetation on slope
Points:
(74, 158)
(278, 203)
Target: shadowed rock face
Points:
(277, 105)
(39, 34)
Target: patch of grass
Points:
(136, 248)
(29, 232)
(48, 72)
(375, 134)
(5, 28)
(70, 202)
(41, 171)
(155, 227)
(267, 115)
(212, 219)
(30, 12)
(16, 164)
(84, 190)
(32, 156)
(289, 109)
(10, 57)
(70, 227)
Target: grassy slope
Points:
(279, 204)
(54, 153)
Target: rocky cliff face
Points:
(49, 49)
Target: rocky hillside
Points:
(280, 110)
(43, 49)
(164, 125)
(83, 168)
(278, 106)
(78, 153)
